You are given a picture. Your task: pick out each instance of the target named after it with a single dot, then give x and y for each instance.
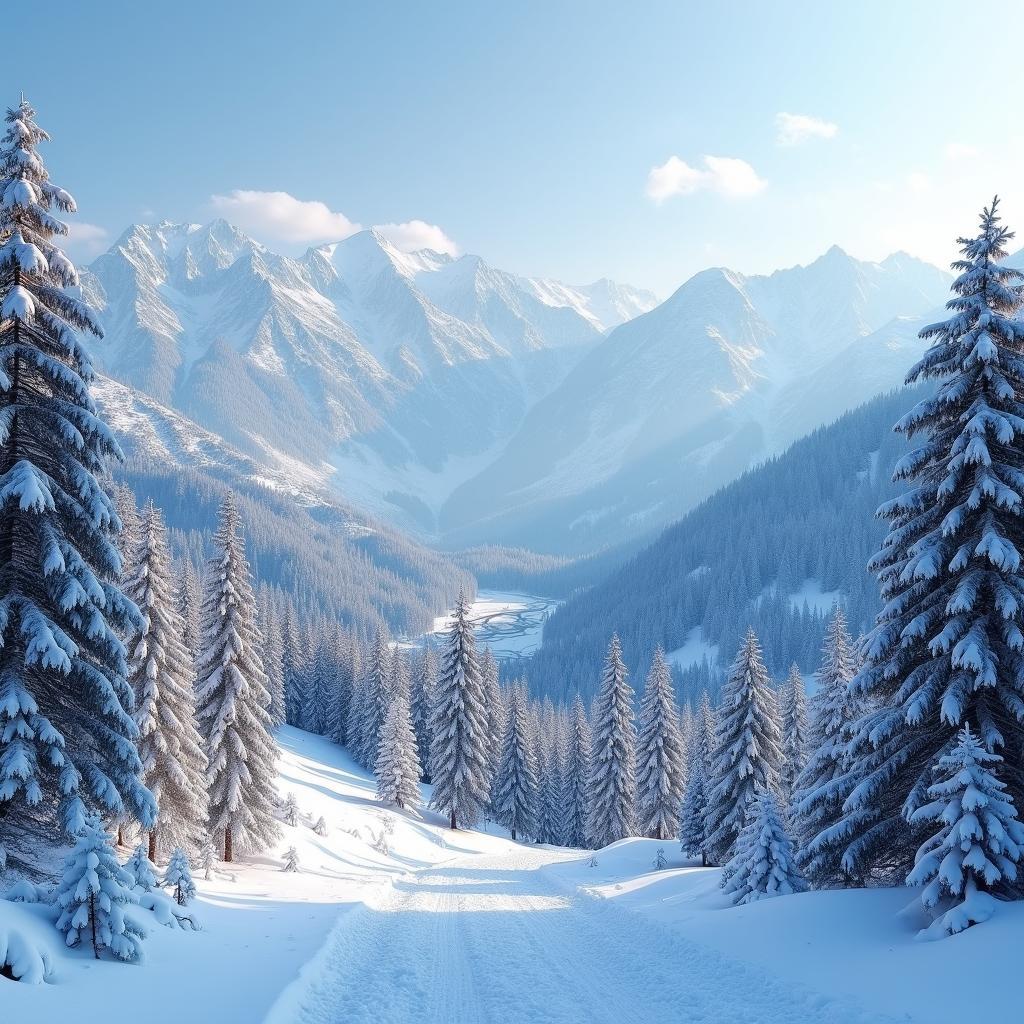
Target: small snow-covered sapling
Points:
(320, 828)
(291, 810)
(291, 860)
(660, 863)
(142, 869)
(179, 877)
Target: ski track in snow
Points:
(494, 940)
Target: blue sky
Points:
(532, 133)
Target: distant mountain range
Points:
(470, 405)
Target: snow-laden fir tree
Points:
(95, 894)
(320, 828)
(424, 681)
(974, 854)
(495, 703)
(795, 727)
(946, 647)
(161, 674)
(817, 802)
(611, 814)
(291, 860)
(550, 812)
(321, 690)
(515, 787)
(375, 697)
(748, 749)
(295, 667)
(207, 858)
(762, 865)
(459, 728)
(660, 770)
(131, 526)
(290, 810)
(693, 824)
(398, 765)
(341, 652)
(576, 777)
(190, 600)
(272, 657)
(66, 732)
(233, 699)
(141, 869)
(178, 878)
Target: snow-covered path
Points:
(495, 940)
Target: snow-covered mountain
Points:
(393, 373)
(682, 399)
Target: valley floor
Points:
(393, 918)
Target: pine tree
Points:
(160, 671)
(459, 728)
(93, 895)
(748, 749)
(342, 655)
(141, 869)
(424, 682)
(514, 790)
(763, 865)
(495, 704)
(178, 877)
(398, 764)
(794, 732)
(207, 858)
(291, 860)
(189, 603)
(295, 666)
(322, 690)
(131, 527)
(374, 699)
(272, 657)
(550, 828)
(320, 828)
(613, 755)
(693, 826)
(979, 843)
(660, 755)
(946, 649)
(233, 699)
(576, 777)
(290, 810)
(817, 800)
(66, 732)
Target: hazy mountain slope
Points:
(681, 399)
(797, 530)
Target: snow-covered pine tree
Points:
(514, 789)
(178, 877)
(341, 653)
(762, 865)
(295, 666)
(142, 869)
(189, 602)
(94, 893)
(233, 699)
(794, 732)
(576, 777)
(290, 810)
(494, 701)
(693, 830)
(320, 828)
(980, 841)
(322, 689)
(748, 749)
(291, 860)
(161, 675)
(66, 731)
(946, 648)
(207, 858)
(398, 764)
(611, 813)
(660, 767)
(272, 657)
(817, 802)
(131, 523)
(424, 681)
(374, 699)
(459, 728)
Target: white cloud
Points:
(86, 240)
(918, 181)
(793, 129)
(726, 175)
(280, 217)
(960, 151)
(413, 235)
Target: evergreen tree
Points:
(66, 731)
(613, 755)
(375, 698)
(748, 749)
(290, 810)
(322, 691)
(131, 527)
(660, 755)
(693, 830)
(189, 602)
(398, 764)
(817, 800)
(272, 657)
(161, 674)
(422, 700)
(294, 665)
(514, 791)
(979, 843)
(233, 699)
(341, 653)
(291, 860)
(763, 865)
(576, 777)
(207, 858)
(141, 869)
(320, 828)
(93, 895)
(794, 732)
(495, 704)
(178, 877)
(459, 728)
(946, 649)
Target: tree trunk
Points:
(703, 859)
(513, 835)
(120, 834)
(227, 846)
(92, 921)
(152, 845)
(451, 820)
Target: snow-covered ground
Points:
(469, 927)
(695, 650)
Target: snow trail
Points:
(496, 940)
